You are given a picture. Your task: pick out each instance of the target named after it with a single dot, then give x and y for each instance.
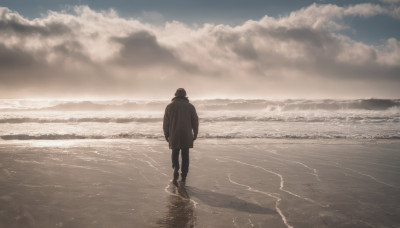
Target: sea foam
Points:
(219, 118)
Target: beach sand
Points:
(231, 183)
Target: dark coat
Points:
(180, 123)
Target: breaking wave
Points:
(206, 136)
(78, 120)
(210, 105)
(220, 119)
(296, 118)
(75, 136)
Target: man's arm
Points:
(166, 124)
(195, 123)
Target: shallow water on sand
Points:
(231, 183)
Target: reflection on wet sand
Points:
(180, 209)
(221, 200)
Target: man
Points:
(180, 125)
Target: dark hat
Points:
(180, 92)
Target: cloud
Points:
(80, 51)
(15, 57)
(13, 24)
(141, 50)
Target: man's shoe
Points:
(176, 177)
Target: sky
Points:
(225, 49)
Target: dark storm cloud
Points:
(25, 69)
(15, 27)
(141, 50)
(72, 49)
(13, 57)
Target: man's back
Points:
(180, 123)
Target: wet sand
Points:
(231, 183)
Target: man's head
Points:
(180, 92)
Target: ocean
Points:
(375, 119)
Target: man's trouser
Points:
(185, 162)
